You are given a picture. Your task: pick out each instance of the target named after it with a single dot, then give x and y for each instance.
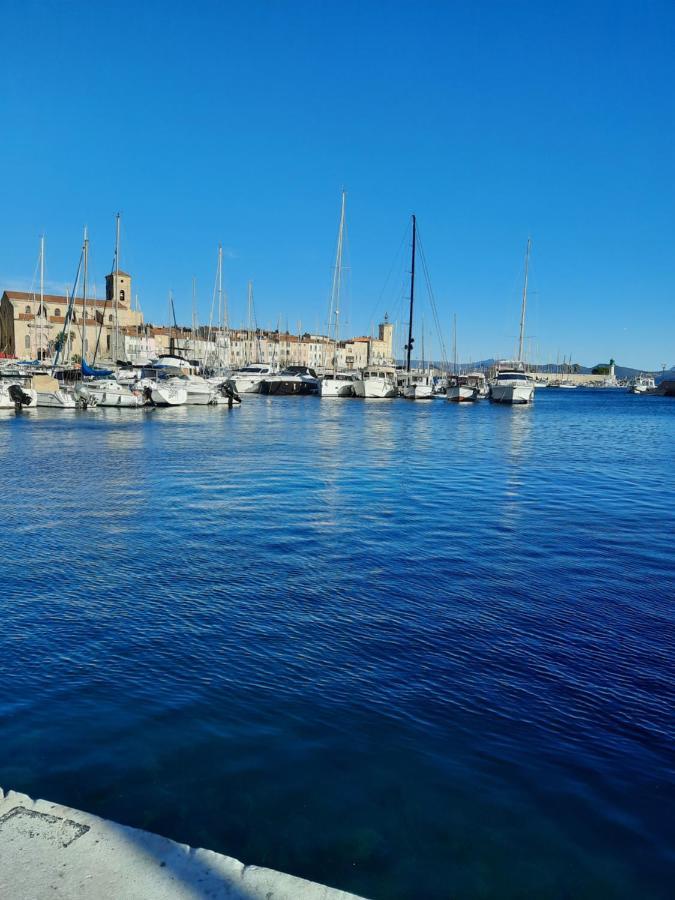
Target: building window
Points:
(110, 318)
(121, 296)
(28, 310)
(57, 311)
(107, 342)
(26, 342)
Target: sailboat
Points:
(381, 381)
(100, 386)
(460, 389)
(334, 383)
(512, 383)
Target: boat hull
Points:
(461, 394)
(55, 400)
(245, 385)
(336, 387)
(287, 387)
(418, 392)
(515, 394)
(374, 389)
(168, 396)
(117, 396)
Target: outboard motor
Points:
(83, 398)
(147, 396)
(231, 393)
(19, 397)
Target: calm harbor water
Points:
(410, 650)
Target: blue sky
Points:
(241, 123)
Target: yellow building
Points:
(31, 329)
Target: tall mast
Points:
(337, 280)
(524, 306)
(194, 317)
(454, 343)
(42, 293)
(117, 285)
(85, 250)
(249, 305)
(409, 345)
(220, 303)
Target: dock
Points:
(48, 850)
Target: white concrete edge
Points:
(107, 851)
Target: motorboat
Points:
(463, 388)
(200, 392)
(109, 392)
(417, 386)
(50, 394)
(13, 395)
(247, 380)
(376, 382)
(337, 384)
(642, 384)
(292, 380)
(162, 392)
(512, 387)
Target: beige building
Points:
(31, 328)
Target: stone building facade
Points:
(31, 328)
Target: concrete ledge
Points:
(47, 850)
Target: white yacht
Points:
(512, 387)
(337, 384)
(376, 382)
(641, 384)
(248, 379)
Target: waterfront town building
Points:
(109, 330)
(30, 328)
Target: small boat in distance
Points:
(642, 384)
(459, 389)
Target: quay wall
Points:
(48, 850)
(572, 378)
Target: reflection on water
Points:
(396, 647)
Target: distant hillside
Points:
(622, 372)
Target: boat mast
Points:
(524, 306)
(454, 344)
(409, 345)
(117, 286)
(337, 280)
(84, 291)
(42, 293)
(194, 300)
(220, 303)
(249, 311)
